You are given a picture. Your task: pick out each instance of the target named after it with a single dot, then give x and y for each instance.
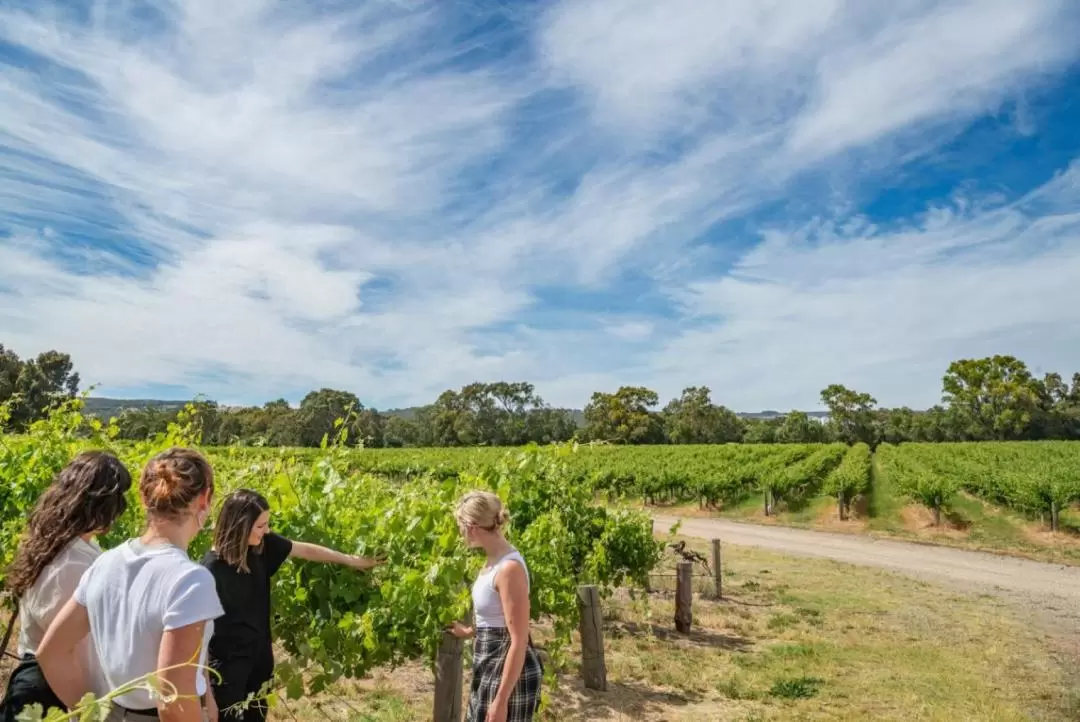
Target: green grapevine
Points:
(850, 479)
(335, 622)
(1038, 477)
(916, 480)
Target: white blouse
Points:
(53, 588)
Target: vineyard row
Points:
(1036, 478)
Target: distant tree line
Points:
(495, 414)
(993, 398)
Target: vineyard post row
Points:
(450, 666)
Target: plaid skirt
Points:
(489, 657)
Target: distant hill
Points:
(776, 414)
(105, 408)
(410, 413)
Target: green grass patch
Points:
(797, 688)
(884, 503)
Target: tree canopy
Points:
(851, 413)
(996, 397)
(33, 386)
(624, 417)
(694, 419)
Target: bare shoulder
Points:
(512, 571)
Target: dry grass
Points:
(792, 639)
(400, 695)
(919, 520)
(1062, 542)
(826, 519)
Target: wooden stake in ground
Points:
(448, 679)
(593, 667)
(684, 597)
(716, 569)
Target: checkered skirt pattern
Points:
(490, 650)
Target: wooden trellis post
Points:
(717, 575)
(684, 597)
(593, 667)
(448, 679)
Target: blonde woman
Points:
(506, 668)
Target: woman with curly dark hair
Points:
(148, 608)
(84, 500)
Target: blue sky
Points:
(251, 199)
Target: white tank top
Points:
(487, 605)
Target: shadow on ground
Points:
(697, 636)
(622, 700)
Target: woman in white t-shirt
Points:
(84, 500)
(147, 607)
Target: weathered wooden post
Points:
(717, 575)
(684, 597)
(448, 679)
(593, 667)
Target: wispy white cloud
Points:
(254, 198)
(957, 59)
(653, 66)
(887, 310)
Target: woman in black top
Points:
(245, 555)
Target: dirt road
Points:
(974, 570)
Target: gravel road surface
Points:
(988, 572)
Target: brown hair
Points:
(172, 480)
(237, 517)
(482, 509)
(88, 495)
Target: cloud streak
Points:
(401, 198)
(887, 310)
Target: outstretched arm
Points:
(316, 553)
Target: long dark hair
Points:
(237, 517)
(88, 495)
